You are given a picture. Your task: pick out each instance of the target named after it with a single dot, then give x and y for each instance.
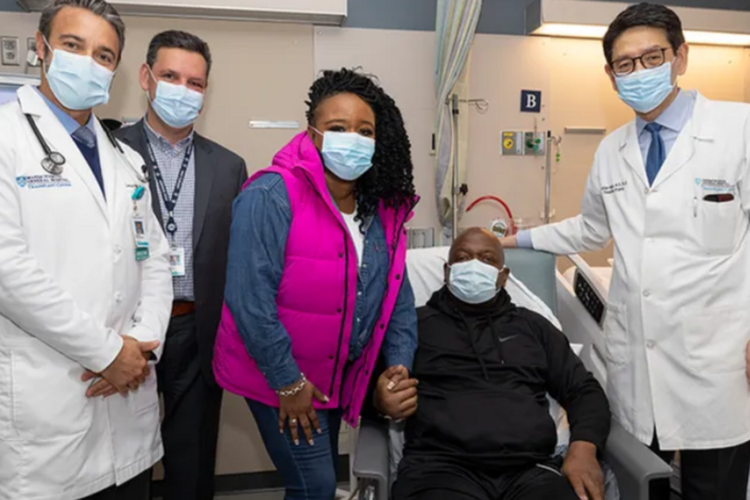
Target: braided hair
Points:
(390, 179)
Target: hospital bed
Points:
(534, 282)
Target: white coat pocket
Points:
(718, 222)
(146, 397)
(616, 333)
(715, 339)
(49, 398)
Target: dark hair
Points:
(390, 179)
(645, 14)
(174, 39)
(98, 7)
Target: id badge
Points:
(139, 232)
(177, 261)
(141, 254)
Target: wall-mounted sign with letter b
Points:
(531, 101)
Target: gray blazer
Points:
(219, 177)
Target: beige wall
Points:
(23, 26)
(576, 93)
(403, 61)
(262, 72)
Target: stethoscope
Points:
(53, 161)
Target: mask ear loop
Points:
(446, 264)
(153, 77)
(49, 50)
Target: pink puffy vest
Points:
(316, 296)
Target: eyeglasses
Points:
(649, 60)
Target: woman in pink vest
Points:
(316, 281)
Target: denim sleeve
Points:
(400, 341)
(523, 239)
(261, 217)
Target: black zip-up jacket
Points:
(484, 372)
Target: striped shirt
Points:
(170, 160)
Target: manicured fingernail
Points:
(281, 431)
(311, 442)
(391, 385)
(296, 442)
(326, 399)
(320, 431)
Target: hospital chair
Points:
(633, 464)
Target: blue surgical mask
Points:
(347, 154)
(177, 105)
(473, 282)
(646, 89)
(77, 81)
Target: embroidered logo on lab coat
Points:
(614, 188)
(715, 185)
(42, 181)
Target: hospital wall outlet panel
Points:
(10, 51)
(512, 143)
(31, 58)
(515, 143)
(535, 143)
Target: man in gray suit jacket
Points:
(194, 182)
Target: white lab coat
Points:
(69, 288)
(678, 316)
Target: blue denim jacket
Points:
(260, 225)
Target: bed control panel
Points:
(589, 297)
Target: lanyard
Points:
(170, 201)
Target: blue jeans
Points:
(309, 472)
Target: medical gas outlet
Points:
(515, 143)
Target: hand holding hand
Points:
(396, 393)
(583, 471)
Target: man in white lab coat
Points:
(672, 188)
(85, 287)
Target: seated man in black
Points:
(482, 428)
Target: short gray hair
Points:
(99, 7)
